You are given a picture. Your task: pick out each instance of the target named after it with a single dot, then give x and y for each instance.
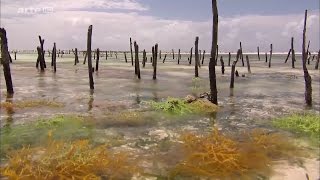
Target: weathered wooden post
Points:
(40, 59)
(144, 58)
(131, 51)
(155, 62)
(94, 54)
(212, 63)
(160, 54)
(190, 60)
(89, 57)
(172, 54)
(217, 54)
(54, 57)
(293, 55)
(76, 58)
(85, 58)
(270, 56)
(15, 55)
(152, 56)
(137, 63)
(241, 54)
(318, 59)
(5, 61)
(165, 57)
(258, 53)
(125, 57)
(222, 65)
(42, 52)
(196, 43)
(107, 55)
(98, 58)
(266, 57)
(233, 68)
(204, 52)
(288, 56)
(179, 56)
(229, 60)
(307, 77)
(248, 64)
(116, 54)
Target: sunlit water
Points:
(256, 98)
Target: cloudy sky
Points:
(171, 23)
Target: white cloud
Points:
(112, 30)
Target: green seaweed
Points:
(35, 133)
(306, 124)
(178, 106)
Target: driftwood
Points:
(5, 61)
(307, 77)
(212, 63)
(196, 64)
(89, 57)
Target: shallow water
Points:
(257, 97)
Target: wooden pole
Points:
(179, 56)
(217, 54)
(89, 57)
(229, 60)
(317, 63)
(293, 55)
(85, 58)
(155, 62)
(15, 55)
(42, 54)
(125, 57)
(160, 54)
(307, 77)
(5, 61)
(270, 56)
(212, 63)
(222, 65)
(152, 57)
(248, 64)
(107, 55)
(233, 68)
(190, 60)
(136, 52)
(266, 57)
(196, 64)
(98, 58)
(76, 58)
(144, 58)
(258, 53)
(54, 56)
(204, 52)
(241, 55)
(131, 51)
(172, 54)
(288, 56)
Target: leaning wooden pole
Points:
(196, 64)
(293, 55)
(5, 61)
(89, 57)
(307, 77)
(190, 60)
(288, 56)
(212, 63)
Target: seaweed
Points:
(181, 107)
(34, 133)
(306, 124)
(10, 106)
(219, 156)
(68, 160)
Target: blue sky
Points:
(171, 23)
(199, 10)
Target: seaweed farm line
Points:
(117, 107)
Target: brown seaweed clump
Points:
(10, 106)
(219, 156)
(60, 160)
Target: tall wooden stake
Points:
(54, 57)
(190, 60)
(318, 59)
(204, 52)
(172, 54)
(179, 56)
(258, 53)
(233, 68)
(98, 58)
(89, 57)
(137, 63)
(131, 51)
(270, 56)
(5, 61)
(307, 77)
(196, 64)
(155, 61)
(222, 65)
(241, 55)
(229, 60)
(293, 54)
(248, 64)
(212, 63)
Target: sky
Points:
(173, 24)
